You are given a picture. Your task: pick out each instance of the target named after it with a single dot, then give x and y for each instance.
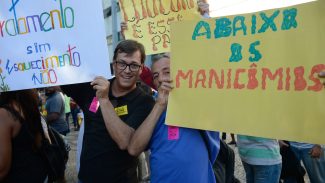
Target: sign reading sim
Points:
(43, 43)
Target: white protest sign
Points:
(51, 42)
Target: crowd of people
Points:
(124, 117)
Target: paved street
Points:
(71, 173)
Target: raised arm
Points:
(143, 134)
(119, 131)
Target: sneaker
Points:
(232, 143)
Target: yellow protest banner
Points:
(254, 74)
(149, 20)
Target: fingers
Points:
(166, 79)
(321, 74)
(167, 86)
(124, 26)
(163, 91)
(316, 151)
(314, 154)
(101, 85)
(203, 7)
(162, 98)
(98, 81)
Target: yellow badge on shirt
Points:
(123, 110)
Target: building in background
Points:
(109, 25)
(107, 4)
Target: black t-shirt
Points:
(27, 164)
(101, 158)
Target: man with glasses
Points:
(123, 107)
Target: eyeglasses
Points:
(122, 66)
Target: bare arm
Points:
(142, 135)
(5, 143)
(119, 131)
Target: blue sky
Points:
(231, 7)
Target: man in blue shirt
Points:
(56, 110)
(177, 154)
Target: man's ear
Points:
(141, 68)
(113, 69)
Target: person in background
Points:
(55, 108)
(261, 159)
(67, 110)
(313, 158)
(75, 110)
(20, 138)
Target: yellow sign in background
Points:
(149, 20)
(252, 74)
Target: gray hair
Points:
(156, 57)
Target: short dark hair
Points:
(129, 47)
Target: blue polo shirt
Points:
(184, 158)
